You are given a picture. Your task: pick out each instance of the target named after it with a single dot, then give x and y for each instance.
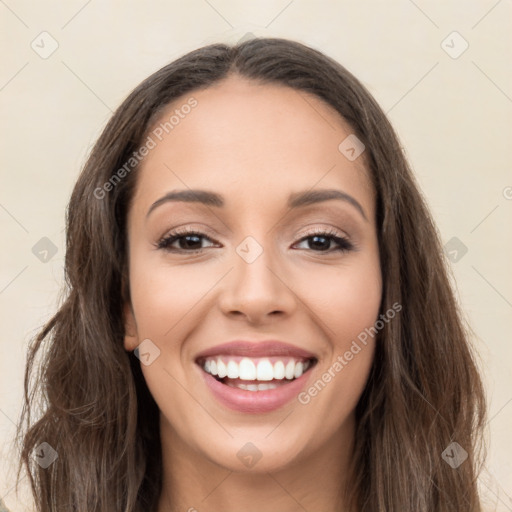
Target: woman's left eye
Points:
(323, 240)
(190, 241)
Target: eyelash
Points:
(344, 245)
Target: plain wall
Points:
(452, 113)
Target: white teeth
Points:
(264, 387)
(290, 370)
(279, 370)
(247, 369)
(298, 370)
(222, 371)
(265, 371)
(253, 387)
(232, 370)
(255, 369)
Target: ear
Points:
(131, 339)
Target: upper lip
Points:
(256, 349)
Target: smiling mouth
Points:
(255, 374)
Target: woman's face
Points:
(275, 286)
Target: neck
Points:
(193, 483)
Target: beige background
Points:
(453, 116)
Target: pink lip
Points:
(256, 349)
(255, 401)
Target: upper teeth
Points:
(255, 369)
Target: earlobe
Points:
(130, 328)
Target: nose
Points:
(258, 291)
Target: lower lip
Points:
(255, 401)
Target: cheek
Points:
(162, 295)
(163, 299)
(347, 300)
(348, 304)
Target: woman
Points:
(259, 314)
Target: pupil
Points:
(196, 239)
(322, 246)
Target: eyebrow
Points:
(295, 200)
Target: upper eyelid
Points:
(184, 231)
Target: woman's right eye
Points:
(187, 241)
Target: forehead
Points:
(251, 141)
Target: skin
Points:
(254, 144)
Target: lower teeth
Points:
(253, 387)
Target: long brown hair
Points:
(87, 397)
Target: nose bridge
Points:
(255, 287)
